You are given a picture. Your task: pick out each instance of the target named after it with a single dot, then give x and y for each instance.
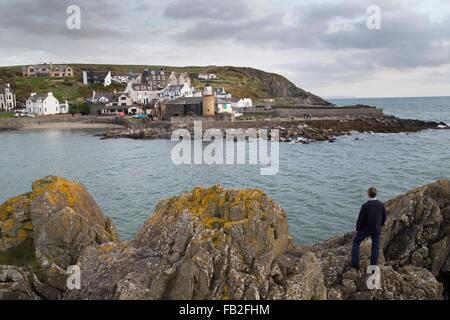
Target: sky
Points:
(323, 46)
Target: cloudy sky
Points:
(323, 46)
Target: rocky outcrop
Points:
(56, 222)
(207, 244)
(219, 244)
(294, 131)
(415, 245)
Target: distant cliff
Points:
(213, 244)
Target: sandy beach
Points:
(70, 126)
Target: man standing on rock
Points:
(371, 220)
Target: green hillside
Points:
(241, 82)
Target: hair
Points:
(372, 192)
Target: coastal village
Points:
(151, 103)
(152, 93)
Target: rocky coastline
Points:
(213, 244)
(302, 132)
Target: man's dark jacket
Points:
(372, 217)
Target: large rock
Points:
(206, 244)
(66, 220)
(15, 222)
(418, 229)
(214, 244)
(15, 284)
(415, 246)
(49, 228)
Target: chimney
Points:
(93, 95)
(50, 94)
(32, 94)
(8, 85)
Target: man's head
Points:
(372, 192)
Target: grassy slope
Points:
(241, 82)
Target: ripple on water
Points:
(321, 186)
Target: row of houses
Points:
(48, 70)
(155, 77)
(38, 104)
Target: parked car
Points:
(19, 113)
(24, 114)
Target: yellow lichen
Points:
(22, 234)
(8, 225)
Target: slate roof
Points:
(39, 96)
(186, 100)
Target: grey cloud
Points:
(228, 10)
(408, 38)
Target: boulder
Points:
(214, 244)
(49, 228)
(207, 244)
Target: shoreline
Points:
(290, 131)
(69, 126)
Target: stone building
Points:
(181, 107)
(181, 78)
(156, 78)
(209, 102)
(48, 70)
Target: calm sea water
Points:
(321, 185)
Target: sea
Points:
(321, 185)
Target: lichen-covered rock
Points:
(206, 244)
(15, 222)
(415, 246)
(66, 220)
(60, 219)
(418, 230)
(215, 244)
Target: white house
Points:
(207, 76)
(126, 78)
(7, 97)
(172, 92)
(245, 103)
(41, 104)
(141, 93)
(110, 99)
(109, 103)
